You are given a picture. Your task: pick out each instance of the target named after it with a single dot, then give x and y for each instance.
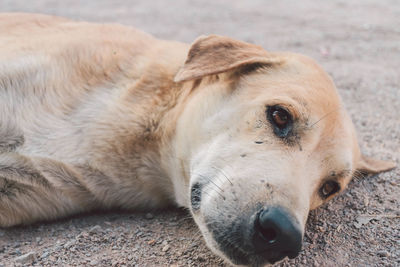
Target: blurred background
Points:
(356, 41)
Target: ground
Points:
(357, 42)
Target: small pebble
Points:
(27, 258)
(16, 252)
(44, 255)
(383, 253)
(95, 230)
(69, 244)
(149, 216)
(165, 248)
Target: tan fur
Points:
(91, 118)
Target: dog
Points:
(103, 116)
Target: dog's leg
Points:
(34, 189)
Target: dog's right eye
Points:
(280, 119)
(329, 188)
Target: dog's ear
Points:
(370, 165)
(215, 54)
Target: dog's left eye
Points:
(329, 188)
(280, 119)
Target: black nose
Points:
(277, 234)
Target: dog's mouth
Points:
(238, 257)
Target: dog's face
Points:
(265, 141)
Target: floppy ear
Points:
(214, 54)
(373, 166)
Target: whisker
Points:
(223, 173)
(215, 186)
(358, 175)
(211, 181)
(205, 192)
(323, 117)
(219, 193)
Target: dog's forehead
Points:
(297, 77)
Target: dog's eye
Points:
(280, 119)
(329, 188)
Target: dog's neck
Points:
(164, 104)
(174, 159)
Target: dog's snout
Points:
(276, 234)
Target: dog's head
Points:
(264, 138)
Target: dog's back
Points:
(77, 110)
(59, 78)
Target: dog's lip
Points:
(287, 253)
(263, 257)
(277, 257)
(250, 259)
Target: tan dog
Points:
(104, 116)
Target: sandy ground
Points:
(357, 42)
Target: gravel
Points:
(357, 42)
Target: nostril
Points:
(269, 235)
(266, 229)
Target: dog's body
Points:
(104, 116)
(83, 100)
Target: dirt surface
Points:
(357, 42)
